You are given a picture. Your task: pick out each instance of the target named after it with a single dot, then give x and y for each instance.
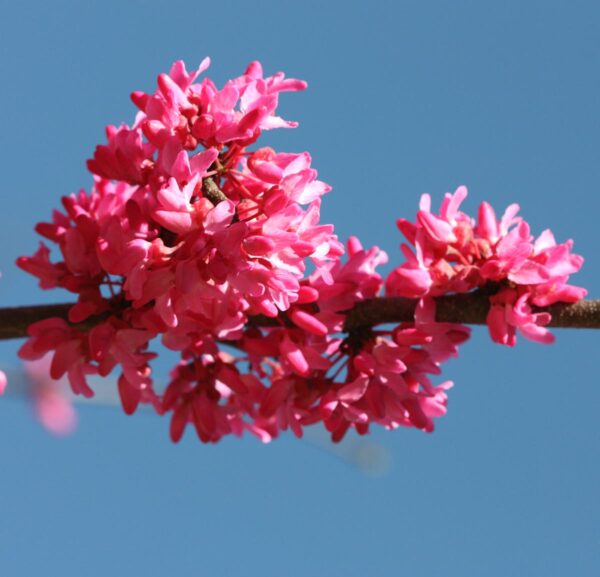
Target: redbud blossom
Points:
(191, 235)
(454, 253)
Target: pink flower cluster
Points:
(453, 253)
(191, 236)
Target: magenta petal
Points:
(353, 391)
(455, 200)
(308, 322)
(258, 245)
(437, 229)
(487, 225)
(178, 222)
(219, 217)
(408, 282)
(529, 273)
(294, 356)
(201, 162)
(500, 332)
(536, 333)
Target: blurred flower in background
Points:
(50, 398)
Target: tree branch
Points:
(212, 191)
(470, 308)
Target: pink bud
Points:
(202, 127)
(295, 356)
(307, 294)
(140, 99)
(354, 245)
(487, 225)
(308, 322)
(303, 248)
(258, 245)
(155, 132)
(254, 69)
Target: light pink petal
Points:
(509, 218)
(254, 69)
(529, 273)
(544, 241)
(54, 411)
(203, 65)
(454, 202)
(437, 229)
(180, 169)
(179, 222)
(171, 197)
(219, 217)
(425, 203)
(537, 333)
(201, 162)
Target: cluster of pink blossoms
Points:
(453, 253)
(192, 235)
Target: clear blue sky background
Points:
(404, 97)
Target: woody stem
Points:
(469, 308)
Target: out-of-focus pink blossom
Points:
(51, 404)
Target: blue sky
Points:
(404, 97)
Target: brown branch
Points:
(14, 321)
(468, 308)
(212, 191)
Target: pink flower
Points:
(202, 113)
(452, 253)
(52, 407)
(189, 234)
(3, 382)
(71, 354)
(126, 157)
(509, 312)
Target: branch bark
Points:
(470, 308)
(212, 191)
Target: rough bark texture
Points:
(470, 309)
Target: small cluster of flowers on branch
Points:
(190, 232)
